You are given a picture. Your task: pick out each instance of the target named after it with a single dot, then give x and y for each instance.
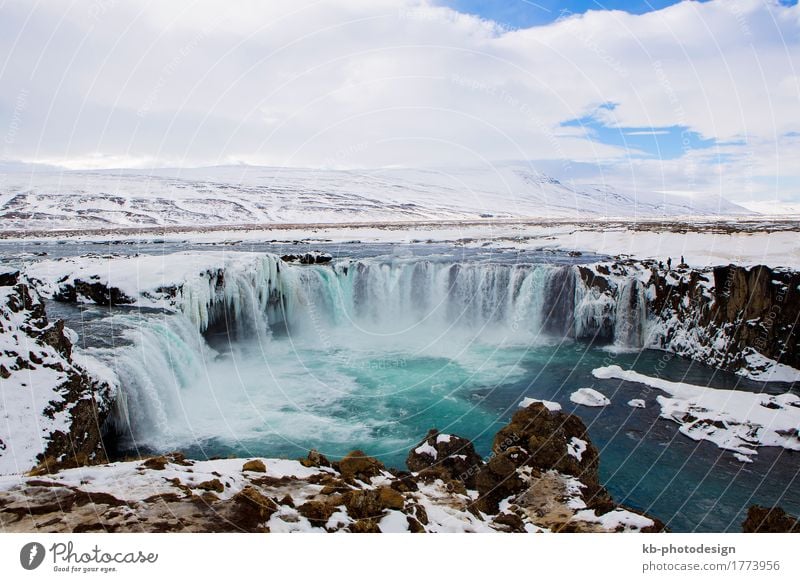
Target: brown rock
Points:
(769, 520)
(317, 512)
(315, 459)
(390, 499)
(364, 526)
(498, 479)
(212, 485)
(455, 457)
(251, 509)
(256, 465)
(357, 465)
(545, 437)
(509, 522)
(363, 503)
(156, 463)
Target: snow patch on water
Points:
(735, 420)
(589, 397)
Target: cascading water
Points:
(462, 325)
(270, 359)
(631, 314)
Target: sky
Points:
(694, 98)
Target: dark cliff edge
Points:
(729, 317)
(60, 397)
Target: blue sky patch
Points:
(527, 13)
(665, 143)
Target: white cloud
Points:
(399, 82)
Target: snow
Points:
(426, 449)
(551, 406)
(589, 397)
(443, 438)
(288, 520)
(764, 369)
(446, 516)
(139, 277)
(576, 447)
(393, 522)
(28, 392)
(636, 403)
(618, 519)
(735, 420)
(130, 480)
(258, 195)
(339, 518)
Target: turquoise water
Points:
(286, 396)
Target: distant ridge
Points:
(36, 199)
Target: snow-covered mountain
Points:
(246, 194)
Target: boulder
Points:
(390, 499)
(212, 485)
(358, 466)
(363, 503)
(256, 465)
(498, 479)
(453, 457)
(251, 509)
(551, 440)
(315, 459)
(769, 520)
(317, 512)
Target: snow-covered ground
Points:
(46, 199)
(701, 242)
(735, 420)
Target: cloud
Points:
(360, 83)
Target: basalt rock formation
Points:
(731, 317)
(55, 409)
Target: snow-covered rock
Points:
(52, 408)
(552, 406)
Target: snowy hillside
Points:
(245, 194)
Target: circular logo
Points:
(31, 555)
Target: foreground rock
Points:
(769, 520)
(539, 478)
(52, 408)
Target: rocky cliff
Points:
(743, 319)
(53, 410)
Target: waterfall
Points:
(385, 299)
(594, 314)
(631, 314)
(559, 302)
(167, 354)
